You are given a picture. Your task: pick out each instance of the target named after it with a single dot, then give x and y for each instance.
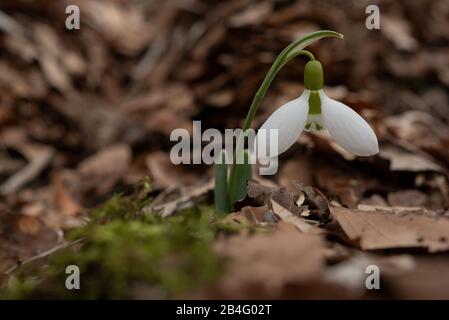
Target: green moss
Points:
(164, 256)
(123, 252)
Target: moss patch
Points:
(125, 254)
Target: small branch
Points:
(44, 254)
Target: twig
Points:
(44, 254)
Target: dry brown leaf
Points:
(401, 160)
(397, 30)
(29, 225)
(300, 223)
(398, 210)
(189, 198)
(428, 278)
(252, 215)
(348, 185)
(297, 169)
(372, 230)
(254, 15)
(22, 237)
(304, 201)
(264, 195)
(116, 84)
(315, 200)
(413, 198)
(122, 25)
(102, 171)
(373, 200)
(165, 174)
(100, 124)
(263, 265)
(63, 199)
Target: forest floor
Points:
(86, 178)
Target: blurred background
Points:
(87, 113)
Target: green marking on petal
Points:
(314, 102)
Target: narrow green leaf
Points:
(221, 196)
(243, 173)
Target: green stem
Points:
(306, 53)
(260, 94)
(291, 51)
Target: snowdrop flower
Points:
(313, 110)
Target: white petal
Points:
(289, 120)
(348, 128)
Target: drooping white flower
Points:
(313, 110)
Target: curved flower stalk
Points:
(313, 110)
(232, 187)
